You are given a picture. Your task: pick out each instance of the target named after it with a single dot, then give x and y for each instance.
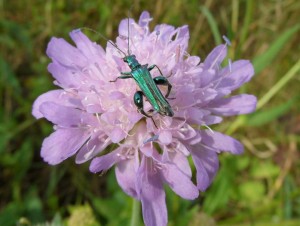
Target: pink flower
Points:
(90, 112)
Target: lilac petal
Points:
(179, 182)
(90, 49)
(207, 77)
(215, 58)
(92, 148)
(66, 54)
(123, 28)
(152, 195)
(110, 117)
(66, 77)
(182, 101)
(185, 132)
(192, 141)
(134, 117)
(211, 120)
(61, 115)
(55, 96)
(62, 144)
(165, 137)
(116, 95)
(117, 134)
(235, 105)
(144, 19)
(91, 102)
(221, 142)
(206, 96)
(236, 75)
(164, 32)
(193, 60)
(126, 176)
(194, 115)
(105, 162)
(183, 32)
(181, 161)
(206, 163)
(147, 149)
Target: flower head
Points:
(90, 112)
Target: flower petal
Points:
(181, 161)
(89, 49)
(123, 28)
(185, 132)
(221, 142)
(66, 77)
(165, 137)
(206, 163)
(179, 182)
(105, 162)
(92, 148)
(235, 105)
(211, 119)
(164, 32)
(144, 19)
(126, 176)
(55, 149)
(152, 195)
(215, 58)
(55, 96)
(61, 115)
(117, 134)
(235, 75)
(61, 51)
(91, 102)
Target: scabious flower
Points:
(91, 113)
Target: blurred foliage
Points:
(261, 187)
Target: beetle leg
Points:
(139, 102)
(161, 80)
(124, 75)
(153, 66)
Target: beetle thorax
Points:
(132, 62)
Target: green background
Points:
(260, 187)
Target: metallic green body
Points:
(141, 74)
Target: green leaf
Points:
(213, 25)
(265, 59)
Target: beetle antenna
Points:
(102, 36)
(128, 37)
(128, 13)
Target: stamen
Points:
(206, 126)
(97, 116)
(151, 139)
(227, 41)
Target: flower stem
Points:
(135, 216)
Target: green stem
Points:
(275, 89)
(135, 216)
